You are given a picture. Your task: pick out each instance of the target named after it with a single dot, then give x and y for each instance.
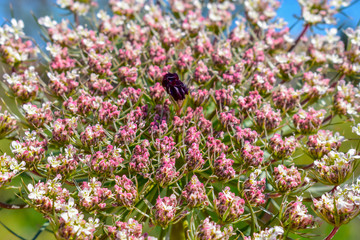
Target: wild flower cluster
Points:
(182, 119)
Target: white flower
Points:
(311, 18)
(29, 88)
(356, 129)
(16, 147)
(302, 114)
(16, 28)
(53, 161)
(70, 151)
(262, 24)
(288, 38)
(52, 77)
(15, 167)
(354, 36)
(73, 74)
(64, 3)
(35, 192)
(281, 58)
(278, 230)
(332, 35)
(13, 79)
(70, 212)
(47, 22)
(269, 234)
(80, 8)
(356, 67)
(85, 195)
(102, 15)
(334, 58)
(30, 136)
(123, 5)
(122, 234)
(340, 3)
(54, 49)
(29, 108)
(93, 223)
(343, 206)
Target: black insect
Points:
(176, 88)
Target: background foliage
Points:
(23, 222)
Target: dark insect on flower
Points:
(174, 86)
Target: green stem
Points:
(286, 233)
(162, 234)
(13, 206)
(253, 219)
(306, 27)
(178, 231)
(333, 232)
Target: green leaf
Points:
(43, 227)
(12, 232)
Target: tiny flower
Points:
(253, 189)
(194, 159)
(166, 173)
(245, 135)
(8, 124)
(249, 103)
(210, 230)
(93, 196)
(106, 162)
(140, 161)
(93, 135)
(192, 136)
(38, 116)
(252, 155)
(223, 168)
(323, 142)
(339, 206)
(131, 229)
(65, 163)
(223, 96)
(64, 129)
(165, 210)
(228, 206)
(194, 193)
(269, 233)
(287, 179)
(296, 215)
(282, 148)
(215, 146)
(9, 168)
(286, 99)
(356, 129)
(47, 196)
(310, 121)
(266, 118)
(228, 119)
(125, 192)
(31, 150)
(335, 167)
(165, 145)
